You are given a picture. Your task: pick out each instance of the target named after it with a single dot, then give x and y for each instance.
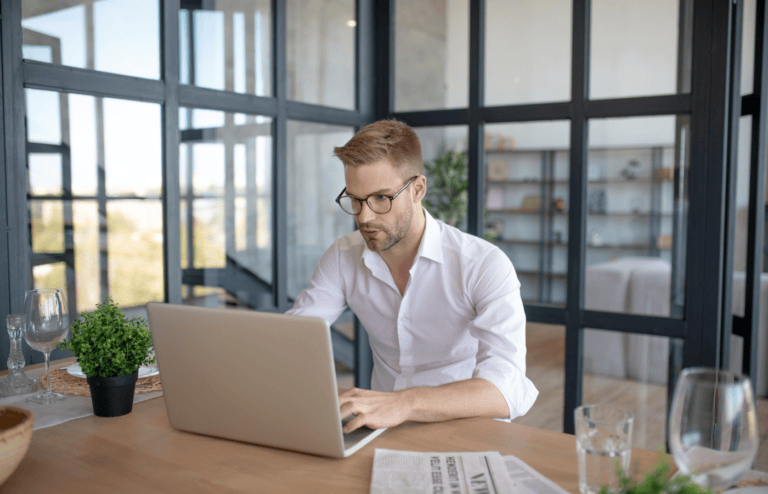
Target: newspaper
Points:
(411, 472)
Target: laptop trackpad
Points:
(354, 437)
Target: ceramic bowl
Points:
(15, 433)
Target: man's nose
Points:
(366, 214)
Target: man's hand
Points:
(373, 409)
(469, 398)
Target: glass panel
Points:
(634, 48)
(47, 219)
(227, 45)
(86, 235)
(635, 218)
(546, 369)
(629, 371)
(431, 54)
(226, 208)
(748, 47)
(135, 251)
(49, 275)
(527, 52)
(443, 150)
(44, 174)
(116, 244)
(119, 36)
(130, 169)
(315, 178)
(526, 197)
(321, 52)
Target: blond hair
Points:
(390, 139)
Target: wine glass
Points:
(47, 325)
(713, 426)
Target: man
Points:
(442, 308)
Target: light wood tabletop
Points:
(141, 452)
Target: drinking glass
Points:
(713, 426)
(47, 324)
(603, 442)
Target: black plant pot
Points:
(112, 396)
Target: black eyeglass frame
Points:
(391, 198)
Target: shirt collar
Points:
(430, 247)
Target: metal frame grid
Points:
(715, 41)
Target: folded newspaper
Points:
(410, 472)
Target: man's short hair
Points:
(390, 139)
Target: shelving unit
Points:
(543, 173)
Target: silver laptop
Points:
(257, 377)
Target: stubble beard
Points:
(388, 236)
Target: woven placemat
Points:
(64, 383)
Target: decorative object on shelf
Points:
(559, 204)
(630, 171)
(499, 142)
(493, 230)
(498, 170)
(16, 426)
(531, 203)
(494, 198)
(665, 174)
(110, 348)
(16, 382)
(595, 238)
(664, 242)
(596, 202)
(558, 237)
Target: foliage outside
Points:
(107, 343)
(657, 482)
(448, 193)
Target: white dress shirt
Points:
(461, 315)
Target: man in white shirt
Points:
(442, 308)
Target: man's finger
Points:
(355, 423)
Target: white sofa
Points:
(641, 285)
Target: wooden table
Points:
(140, 452)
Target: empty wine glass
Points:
(713, 426)
(47, 324)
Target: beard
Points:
(386, 237)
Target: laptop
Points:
(261, 378)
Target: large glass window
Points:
(636, 218)
(119, 36)
(431, 54)
(95, 186)
(634, 48)
(226, 208)
(526, 200)
(527, 52)
(315, 178)
(321, 52)
(227, 46)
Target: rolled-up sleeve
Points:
(324, 297)
(499, 327)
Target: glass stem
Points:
(47, 373)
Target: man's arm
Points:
(461, 399)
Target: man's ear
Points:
(419, 188)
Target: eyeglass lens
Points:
(379, 204)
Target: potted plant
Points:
(447, 192)
(110, 348)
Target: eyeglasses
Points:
(379, 203)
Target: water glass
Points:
(713, 426)
(603, 444)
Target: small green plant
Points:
(447, 194)
(107, 343)
(657, 482)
